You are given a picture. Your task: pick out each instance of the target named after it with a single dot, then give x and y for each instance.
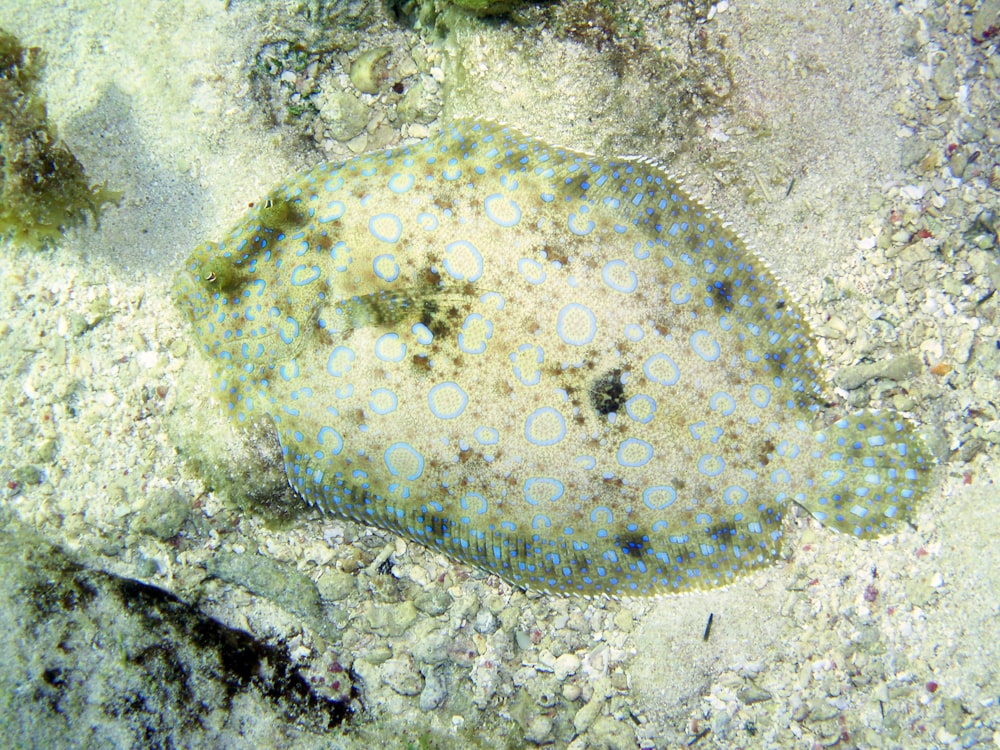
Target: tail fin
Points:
(877, 468)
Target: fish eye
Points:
(211, 277)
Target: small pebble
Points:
(566, 665)
(589, 713)
(752, 694)
(432, 648)
(401, 676)
(434, 691)
(539, 730)
(485, 622)
(434, 601)
(164, 515)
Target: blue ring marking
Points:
(422, 333)
(384, 346)
(585, 229)
(468, 249)
(483, 505)
(491, 203)
(330, 439)
(583, 337)
(660, 361)
(453, 390)
(735, 495)
(531, 270)
(399, 183)
(586, 462)
(470, 319)
(289, 371)
(705, 345)
(486, 435)
(427, 221)
(451, 174)
(385, 227)
(385, 267)
(787, 449)
(676, 297)
(760, 395)
(535, 522)
(780, 476)
(341, 254)
(401, 448)
(645, 416)
(552, 488)
(298, 280)
(339, 362)
(604, 511)
(833, 476)
(488, 299)
(536, 375)
(728, 403)
(337, 210)
(632, 444)
(558, 425)
(607, 274)
(711, 466)
(289, 338)
(333, 184)
(508, 181)
(659, 497)
(634, 332)
(380, 394)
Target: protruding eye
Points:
(211, 277)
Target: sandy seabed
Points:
(855, 149)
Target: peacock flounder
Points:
(556, 367)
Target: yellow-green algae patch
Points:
(43, 189)
(556, 367)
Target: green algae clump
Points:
(486, 7)
(43, 189)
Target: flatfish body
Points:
(553, 366)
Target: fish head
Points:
(252, 296)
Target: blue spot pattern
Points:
(556, 367)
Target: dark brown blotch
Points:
(607, 393)
(632, 543)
